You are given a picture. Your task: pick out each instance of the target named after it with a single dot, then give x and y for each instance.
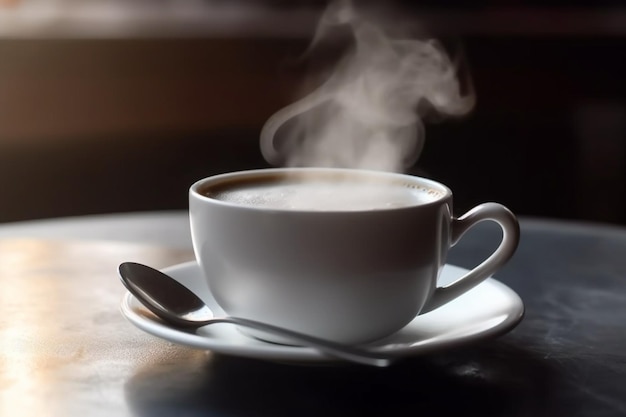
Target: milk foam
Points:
(325, 196)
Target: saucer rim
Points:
(254, 348)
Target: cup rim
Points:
(272, 173)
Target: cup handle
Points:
(510, 238)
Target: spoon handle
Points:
(337, 350)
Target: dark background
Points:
(98, 124)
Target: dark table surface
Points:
(65, 350)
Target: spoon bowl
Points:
(176, 304)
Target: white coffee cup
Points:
(299, 248)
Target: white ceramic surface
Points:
(349, 276)
(487, 310)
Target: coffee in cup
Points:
(346, 255)
(320, 193)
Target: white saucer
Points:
(488, 310)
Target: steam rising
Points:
(368, 113)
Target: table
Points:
(65, 350)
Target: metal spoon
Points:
(175, 303)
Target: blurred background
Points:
(110, 105)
